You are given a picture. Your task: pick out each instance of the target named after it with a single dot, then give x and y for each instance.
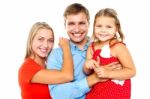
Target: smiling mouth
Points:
(102, 35)
(43, 50)
(77, 34)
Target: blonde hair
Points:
(108, 12)
(33, 32)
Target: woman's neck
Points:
(38, 60)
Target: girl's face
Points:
(43, 43)
(105, 28)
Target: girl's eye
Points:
(109, 27)
(98, 26)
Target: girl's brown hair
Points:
(108, 12)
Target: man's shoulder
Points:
(54, 57)
(56, 52)
(57, 49)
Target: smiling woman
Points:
(33, 77)
(43, 40)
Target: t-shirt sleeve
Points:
(28, 70)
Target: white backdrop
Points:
(17, 17)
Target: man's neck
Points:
(81, 44)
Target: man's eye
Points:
(70, 23)
(82, 23)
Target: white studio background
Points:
(17, 17)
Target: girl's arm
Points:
(128, 68)
(88, 57)
(90, 64)
(47, 76)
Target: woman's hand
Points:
(63, 42)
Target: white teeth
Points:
(77, 35)
(102, 35)
(43, 50)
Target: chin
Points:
(43, 56)
(103, 40)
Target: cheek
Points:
(111, 36)
(34, 46)
(69, 31)
(51, 46)
(113, 32)
(96, 34)
(85, 28)
(69, 28)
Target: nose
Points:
(103, 30)
(45, 43)
(76, 29)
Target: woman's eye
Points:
(51, 40)
(41, 39)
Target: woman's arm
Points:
(47, 76)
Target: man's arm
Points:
(75, 89)
(70, 90)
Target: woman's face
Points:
(43, 43)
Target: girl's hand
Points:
(91, 64)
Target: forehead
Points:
(77, 17)
(104, 19)
(47, 33)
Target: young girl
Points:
(33, 76)
(108, 47)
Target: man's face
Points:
(77, 27)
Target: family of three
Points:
(99, 67)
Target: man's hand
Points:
(103, 71)
(113, 66)
(93, 79)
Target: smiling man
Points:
(76, 18)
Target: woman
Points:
(33, 76)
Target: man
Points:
(76, 18)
